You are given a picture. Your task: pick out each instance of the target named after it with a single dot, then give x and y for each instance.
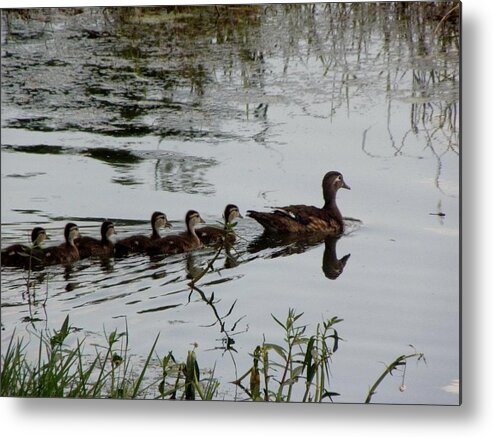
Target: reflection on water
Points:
(186, 174)
(179, 73)
(285, 245)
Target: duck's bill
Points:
(346, 186)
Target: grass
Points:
(302, 360)
(60, 371)
(298, 370)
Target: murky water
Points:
(117, 113)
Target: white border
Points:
(125, 418)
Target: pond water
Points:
(116, 113)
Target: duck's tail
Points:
(267, 219)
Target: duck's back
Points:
(133, 244)
(299, 219)
(19, 255)
(63, 254)
(173, 244)
(214, 235)
(89, 246)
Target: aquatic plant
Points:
(302, 358)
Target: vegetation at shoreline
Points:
(302, 362)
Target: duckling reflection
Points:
(191, 267)
(277, 246)
(231, 259)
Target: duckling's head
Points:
(231, 213)
(332, 181)
(192, 219)
(159, 220)
(107, 230)
(38, 235)
(71, 232)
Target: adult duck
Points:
(66, 252)
(302, 219)
(21, 255)
(179, 243)
(140, 243)
(213, 234)
(91, 247)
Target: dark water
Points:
(116, 113)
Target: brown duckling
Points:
(213, 234)
(183, 242)
(20, 255)
(140, 243)
(303, 219)
(67, 252)
(89, 246)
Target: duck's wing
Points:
(168, 245)
(302, 214)
(209, 234)
(134, 243)
(283, 220)
(297, 219)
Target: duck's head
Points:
(192, 219)
(71, 232)
(107, 230)
(159, 220)
(38, 235)
(231, 213)
(331, 183)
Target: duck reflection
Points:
(331, 265)
(292, 244)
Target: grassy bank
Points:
(298, 370)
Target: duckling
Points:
(140, 243)
(183, 242)
(67, 252)
(89, 246)
(20, 255)
(213, 234)
(301, 219)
